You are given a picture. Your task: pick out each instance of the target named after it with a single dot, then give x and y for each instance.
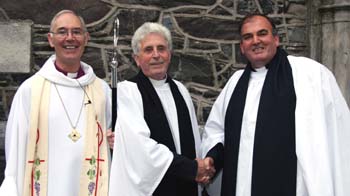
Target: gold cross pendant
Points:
(74, 135)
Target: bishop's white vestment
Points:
(65, 157)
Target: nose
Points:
(155, 53)
(69, 35)
(256, 39)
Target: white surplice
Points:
(322, 127)
(139, 162)
(65, 156)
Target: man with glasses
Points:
(56, 132)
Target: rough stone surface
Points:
(167, 4)
(205, 38)
(42, 11)
(15, 50)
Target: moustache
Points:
(157, 63)
(258, 46)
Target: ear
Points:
(277, 40)
(240, 46)
(136, 58)
(87, 37)
(170, 55)
(50, 39)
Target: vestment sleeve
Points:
(214, 132)
(214, 129)
(217, 154)
(183, 167)
(139, 163)
(108, 94)
(322, 129)
(15, 142)
(337, 117)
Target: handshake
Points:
(205, 171)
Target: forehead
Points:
(255, 23)
(153, 39)
(67, 20)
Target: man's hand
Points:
(205, 170)
(110, 138)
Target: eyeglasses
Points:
(63, 33)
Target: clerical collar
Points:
(259, 73)
(75, 75)
(260, 69)
(158, 82)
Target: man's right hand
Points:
(205, 171)
(110, 138)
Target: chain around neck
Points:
(66, 111)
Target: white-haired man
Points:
(157, 129)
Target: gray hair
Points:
(147, 28)
(53, 21)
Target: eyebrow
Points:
(263, 31)
(69, 28)
(157, 46)
(258, 32)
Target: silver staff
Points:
(114, 65)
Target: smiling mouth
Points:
(258, 49)
(157, 63)
(70, 47)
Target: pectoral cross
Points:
(74, 135)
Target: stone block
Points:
(15, 50)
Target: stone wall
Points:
(206, 41)
(334, 47)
